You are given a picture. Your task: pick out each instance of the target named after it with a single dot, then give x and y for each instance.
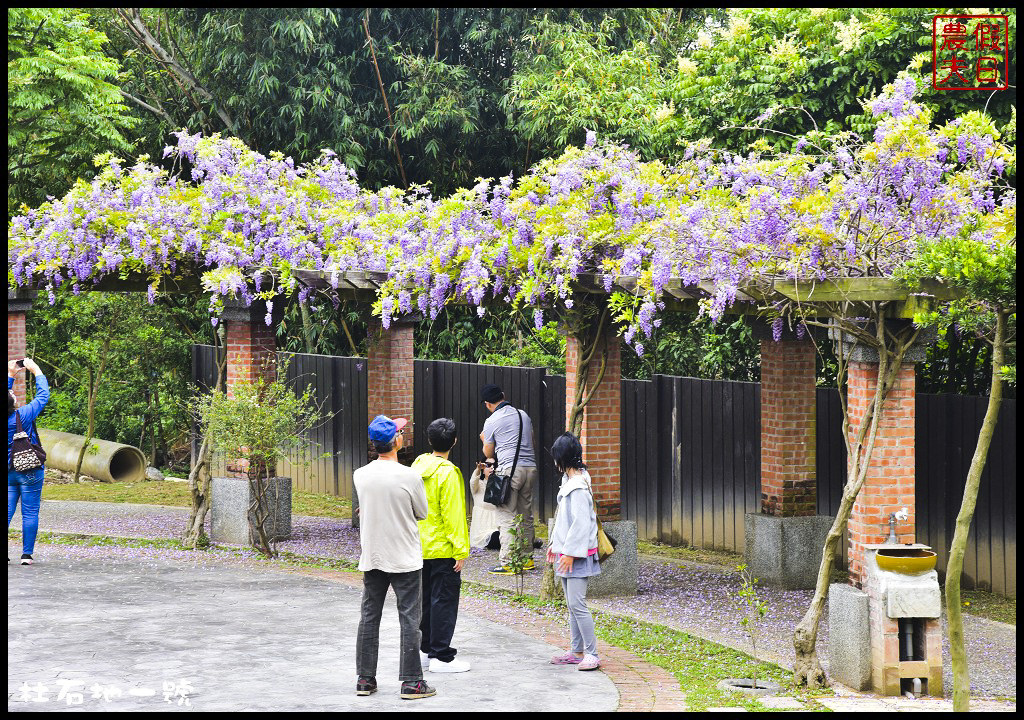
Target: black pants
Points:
(441, 586)
(407, 591)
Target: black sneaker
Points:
(26, 559)
(366, 685)
(415, 689)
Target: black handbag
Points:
(25, 455)
(499, 487)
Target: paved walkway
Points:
(235, 636)
(687, 596)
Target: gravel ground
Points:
(699, 599)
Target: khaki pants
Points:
(520, 503)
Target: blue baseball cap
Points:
(383, 429)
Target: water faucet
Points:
(901, 514)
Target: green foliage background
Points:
(462, 93)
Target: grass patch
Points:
(983, 603)
(50, 538)
(723, 558)
(147, 493)
(176, 494)
(698, 664)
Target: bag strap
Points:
(519, 443)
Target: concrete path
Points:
(150, 628)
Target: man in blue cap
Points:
(392, 501)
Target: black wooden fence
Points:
(452, 389)
(691, 451)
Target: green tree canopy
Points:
(63, 103)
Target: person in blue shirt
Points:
(26, 486)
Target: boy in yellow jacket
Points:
(445, 538)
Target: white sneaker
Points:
(455, 666)
(424, 660)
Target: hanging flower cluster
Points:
(835, 207)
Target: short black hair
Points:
(381, 448)
(567, 452)
(12, 402)
(441, 434)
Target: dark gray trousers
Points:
(410, 601)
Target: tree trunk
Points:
(88, 428)
(588, 339)
(94, 385)
(955, 565)
(307, 328)
(550, 588)
(201, 476)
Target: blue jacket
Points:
(28, 413)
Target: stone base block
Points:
(785, 551)
(619, 572)
(849, 636)
(231, 520)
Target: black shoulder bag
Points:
(25, 455)
(499, 487)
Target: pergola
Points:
(788, 484)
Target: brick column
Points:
(601, 434)
(889, 485)
(252, 352)
(788, 416)
(18, 304)
(783, 541)
(389, 375)
(251, 345)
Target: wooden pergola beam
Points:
(903, 301)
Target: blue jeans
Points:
(29, 487)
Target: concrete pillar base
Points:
(230, 522)
(785, 551)
(849, 636)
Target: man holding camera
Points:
(504, 431)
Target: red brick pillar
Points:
(251, 349)
(889, 485)
(601, 433)
(783, 540)
(389, 376)
(18, 305)
(788, 417)
(251, 344)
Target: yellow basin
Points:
(906, 561)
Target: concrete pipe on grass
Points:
(107, 461)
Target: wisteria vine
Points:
(837, 206)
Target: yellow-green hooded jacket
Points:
(444, 533)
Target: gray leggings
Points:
(581, 622)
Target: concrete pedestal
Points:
(785, 551)
(619, 572)
(231, 519)
(849, 640)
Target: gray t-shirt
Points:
(392, 501)
(502, 429)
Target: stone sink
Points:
(905, 561)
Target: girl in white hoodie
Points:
(573, 549)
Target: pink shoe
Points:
(589, 662)
(566, 659)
